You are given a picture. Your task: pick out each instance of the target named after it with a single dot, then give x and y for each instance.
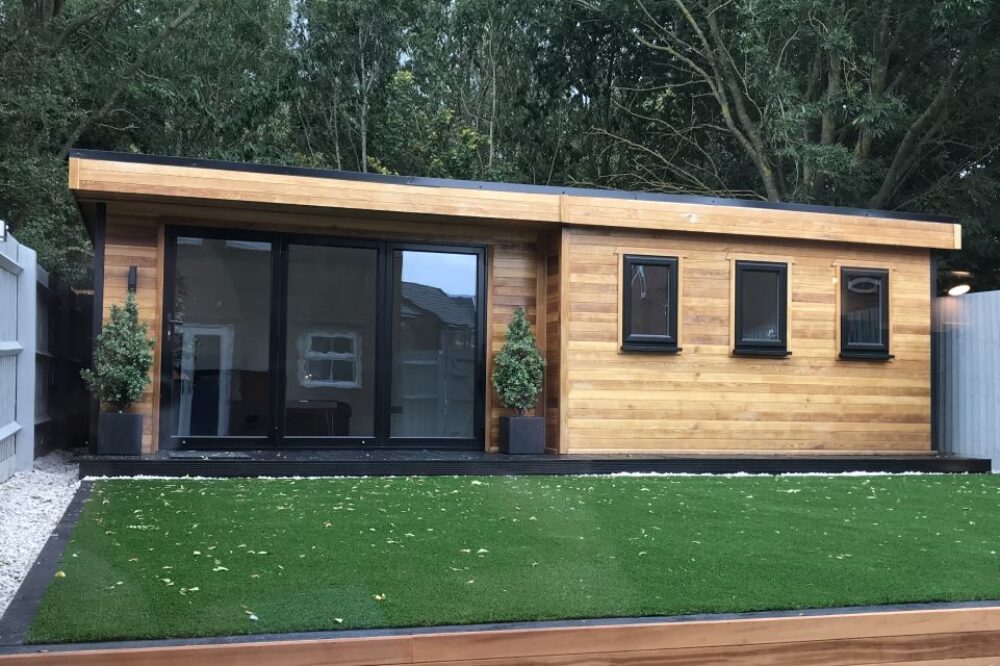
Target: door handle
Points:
(171, 323)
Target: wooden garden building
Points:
(305, 308)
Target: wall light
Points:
(133, 278)
(959, 289)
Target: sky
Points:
(454, 274)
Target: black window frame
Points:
(665, 344)
(768, 348)
(865, 351)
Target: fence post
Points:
(27, 301)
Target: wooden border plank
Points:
(885, 637)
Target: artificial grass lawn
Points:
(154, 559)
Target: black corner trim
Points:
(252, 167)
(861, 356)
(650, 348)
(767, 353)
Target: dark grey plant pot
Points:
(522, 435)
(119, 434)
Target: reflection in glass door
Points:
(276, 339)
(219, 333)
(435, 347)
(330, 341)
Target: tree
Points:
(123, 356)
(518, 367)
(827, 102)
(886, 103)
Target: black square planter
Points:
(119, 434)
(522, 435)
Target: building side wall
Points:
(704, 399)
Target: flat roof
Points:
(418, 181)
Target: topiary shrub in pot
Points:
(123, 356)
(517, 381)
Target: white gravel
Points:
(31, 504)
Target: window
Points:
(761, 308)
(864, 313)
(649, 304)
(329, 359)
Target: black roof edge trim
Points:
(253, 167)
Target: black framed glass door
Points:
(331, 343)
(312, 341)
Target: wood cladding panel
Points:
(965, 637)
(777, 223)
(707, 400)
(104, 179)
(553, 340)
(135, 238)
(107, 177)
(513, 283)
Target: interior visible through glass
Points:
(222, 299)
(761, 307)
(863, 310)
(434, 320)
(650, 304)
(330, 341)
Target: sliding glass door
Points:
(331, 342)
(218, 332)
(435, 348)
(308, 341)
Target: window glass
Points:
(222, 310)
(434, 328)
(330, 351)
(650, 311)
(862, 308)
(761, 306)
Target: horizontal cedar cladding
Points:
(137, 176)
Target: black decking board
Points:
(273, 462)
(17, 618)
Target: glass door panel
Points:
(220, 326)
(330, 341)
(435, 344)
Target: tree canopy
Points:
(883, 103)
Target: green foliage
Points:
(123, 357)
(884, 104)
(518, 366)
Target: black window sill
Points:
(767, 353)
(650, 348)
(865, 356)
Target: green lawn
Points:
(152, 559)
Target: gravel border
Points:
(31, 504)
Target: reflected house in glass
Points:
(305, 308)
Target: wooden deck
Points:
(384, 462)
(966, 636)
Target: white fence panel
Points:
(967, 342)
(18, 270)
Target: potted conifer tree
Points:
(517, 380)
(123, 356)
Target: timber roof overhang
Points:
(97, 176)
